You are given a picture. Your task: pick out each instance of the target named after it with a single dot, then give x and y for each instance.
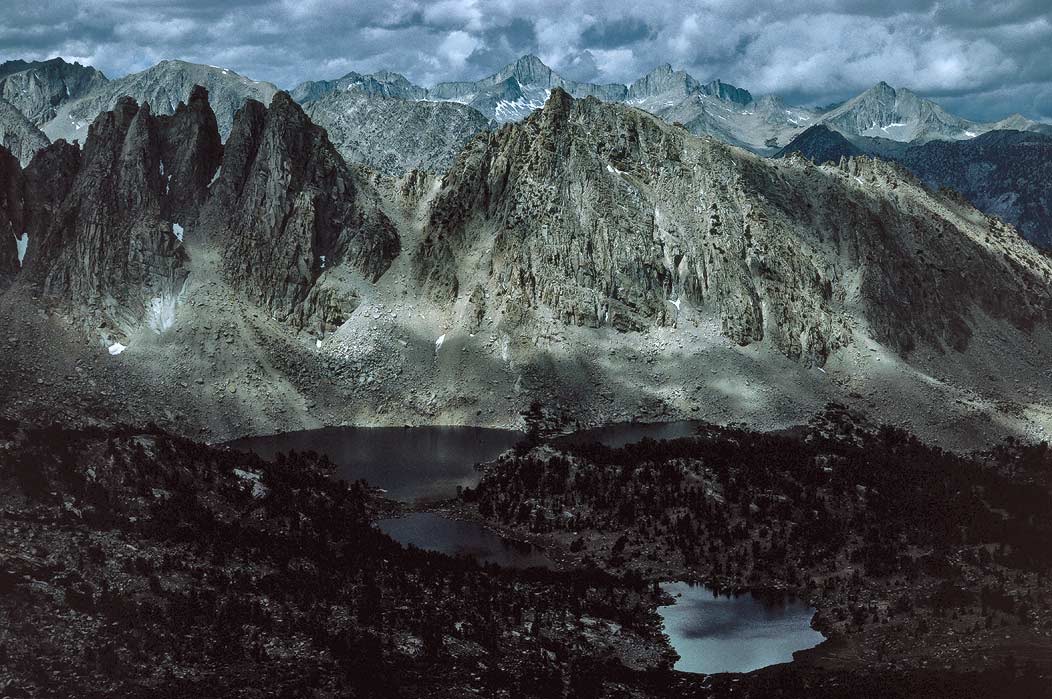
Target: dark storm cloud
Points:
(982, 59)
(615, 33)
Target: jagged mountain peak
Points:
(662, 82)
(528, 70)
(110, 247)
(163, 86)
(286, 207)
(38, 88)
(519, 88)
(599, 214)
(898, 114)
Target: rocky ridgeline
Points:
(163, 86)
(18, 134)
(105, 226)
(37, 88)
(286, 207)
(111, 250)
(395, 136)
(1005, 173)
(608, 216)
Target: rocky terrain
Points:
(1003, 173)
(110, 254)
(12, 218)
(38, 88)
(899, 115)
(593, 257)
(286, 209)
(519, 88)
(608, 217)
(393, 135)
(63, 98)
(381, 84)
(18, 135)
(163, 86)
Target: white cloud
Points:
(808, 51)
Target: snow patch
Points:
(161, 315)
(177, 230)
(116, 348)
(21, 245)
(323, 261)
(215, 176)
(439, 342)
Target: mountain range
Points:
(386, 122)
(590, 255)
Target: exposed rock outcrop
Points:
(1002, 173)
(12, 218)
(191, 153)
(382, 84)
(111, 252)
(395, 136)
(605, 215)
(18, 135)
(48, 179)
(37, 88)
(163, 86)
(286, 207)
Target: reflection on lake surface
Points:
(410, 463)
(434, 532)
(734, 634)
(623, 433)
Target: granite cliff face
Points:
(12, 217)
(47, 182)
(286, 208)
(718, 109)
(18, 135)
(592, 257)
(110, 252)
(106, 225)
(38, 88)
(395, 136)
(603, 215)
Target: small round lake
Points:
(434, 532)
(734, 634)
(411, 463)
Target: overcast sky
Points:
(979, 59)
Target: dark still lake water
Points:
(734, 634)
(434, 532)
(411, 463)
(620, 434)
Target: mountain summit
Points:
(898, 114)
